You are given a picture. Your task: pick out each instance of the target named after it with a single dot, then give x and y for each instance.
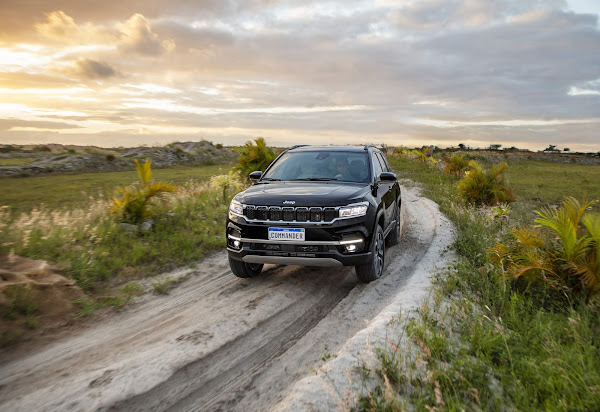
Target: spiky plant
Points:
(255, 156)
(485, 187)
(230, 182)
(134, 203)
(562, 251)
(455, 165)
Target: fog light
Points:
(352, 242)
(236, 244)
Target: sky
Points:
(522, 73)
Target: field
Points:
(484, 341)
(22, 194)
(548, 182)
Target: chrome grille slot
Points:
(275, 213)
(329, 213)
(250, 212)
(289, 214)
(316, 214)
(262, 213)
(302, 214)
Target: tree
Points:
(550, 148)
(461, 146)
(566, 149)
(495, 146)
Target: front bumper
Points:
(325, 244)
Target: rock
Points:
(129, 227)
(147, 225)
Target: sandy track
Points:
(216, 342)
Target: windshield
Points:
(321, 165)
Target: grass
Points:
(484, 342)
(95, 250)
(59, 191)
(548, 182)
(15, 160)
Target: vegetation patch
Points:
(487, 340)
(10, 161)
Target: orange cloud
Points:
(137, 36)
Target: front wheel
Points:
(374, 269)
(243, 269)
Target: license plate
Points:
(284, 234)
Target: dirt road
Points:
(216, 342)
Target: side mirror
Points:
(255, 176)
(387, 177)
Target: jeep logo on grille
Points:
(289, 202)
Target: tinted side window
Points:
(377, 169)
(382, 162)
(386, 165)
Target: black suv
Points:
(316, 206)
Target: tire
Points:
(394, 235)
(243, 269)
(374, 269)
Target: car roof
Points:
(309, 148)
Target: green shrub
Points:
(485, 187)
(564, 255)
(133, 203)
(455, 165)
(255, 157)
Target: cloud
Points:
(90, 69)
(134, 35)
(137, 36)
(59, 26)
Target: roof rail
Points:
(297, 146)
(369, 145)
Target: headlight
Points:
(236, 208)
(354, 210)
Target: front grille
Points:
(290, 214)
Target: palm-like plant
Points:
(485, 187)
(255, 156)
(563, 250)
(455, 165)
(133, 203)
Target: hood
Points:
(303, 194)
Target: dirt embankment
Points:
(33, 293)
(222, 343)
(65, 159)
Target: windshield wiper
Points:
(269, 179)
(317, 179)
